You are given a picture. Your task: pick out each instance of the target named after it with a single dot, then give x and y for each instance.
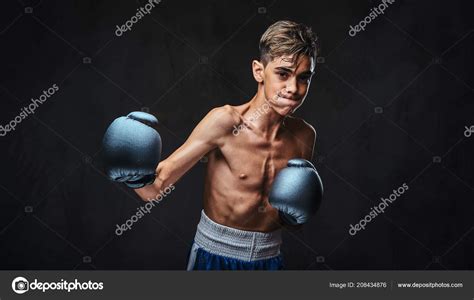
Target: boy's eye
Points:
(305, 78)
(283, 74)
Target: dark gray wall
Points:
(415, 63)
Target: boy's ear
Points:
(257, 69)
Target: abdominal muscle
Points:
(238, 198)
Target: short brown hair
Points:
(285, 38)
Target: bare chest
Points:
(254, 161)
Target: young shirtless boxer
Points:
(258, 177)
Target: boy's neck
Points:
(265, 118)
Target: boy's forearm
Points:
(162, 180)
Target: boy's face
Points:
(286, 84)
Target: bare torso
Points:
(241, 170)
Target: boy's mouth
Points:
(285, 100)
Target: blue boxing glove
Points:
(296, 192)
(132, 149)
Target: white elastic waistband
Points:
(235, 243)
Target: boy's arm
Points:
(309, 141)
(308, 144)
(206, 136)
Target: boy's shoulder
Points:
(223, 118)
(224, 114)
(300, 126)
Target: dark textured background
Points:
(58, 211)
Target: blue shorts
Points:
(204, 260)
(218, 247)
